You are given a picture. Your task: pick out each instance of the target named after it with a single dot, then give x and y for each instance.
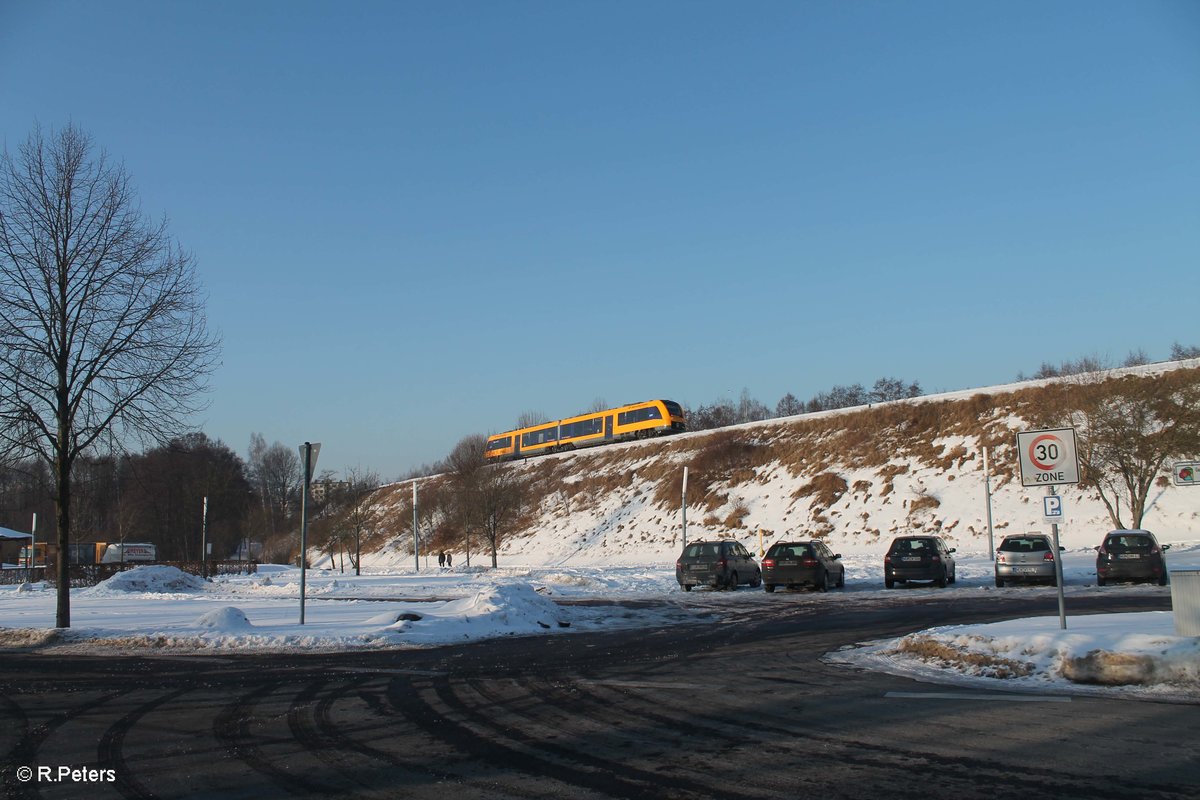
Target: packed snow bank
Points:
(226, 618)
(1136, 654)
(151, 579)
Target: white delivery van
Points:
(118, 553)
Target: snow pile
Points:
(225, 618)
(506, 609)
(151, 579)
(1137, 652)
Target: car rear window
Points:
(1025, 544)
(1127, 542)
(920, 546)
(702, 550)
(789, 551)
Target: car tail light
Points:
(722, 564)
(768, 562)
(887, 558)
(1048, 557)
(1000, 558)
(1154, 551)
(935, 558)
(808, 561)
(679, 564)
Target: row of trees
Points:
(723, 413)
(1095, 364)
(157, 496)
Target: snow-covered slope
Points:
(855, 476)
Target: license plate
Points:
(698, 568)
(911, 558)
(1025, 570)
(1129, 555)
(788, 563)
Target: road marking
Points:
(1009, 698)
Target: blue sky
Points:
(416, 221)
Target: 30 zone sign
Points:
(1048, 457)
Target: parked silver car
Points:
(1026, 557)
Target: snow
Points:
(160, 609)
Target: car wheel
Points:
(841, 584)
(888, 583)
(733, 582)
(770, 587)
(754, 584)
(941, 581)
(954, 575)
(823, 584)
(687, 587)
(1099, 581)
(999, 582)
(1162, 579)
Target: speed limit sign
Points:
(1048, 457)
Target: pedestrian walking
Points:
(449, 560)
(442, 558)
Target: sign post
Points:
(1048, 458)
(204, 540)
(308, 457)
(684, 506)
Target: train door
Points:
(516, 445)
(608, 427)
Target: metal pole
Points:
(33, 547)
(304, 523)
(204, 541)
(416, 545)
(987, 485)
(1058, 573)
(684, 506)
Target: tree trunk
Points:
(62, 518)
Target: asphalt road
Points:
(739, 706)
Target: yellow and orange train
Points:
(635, 421)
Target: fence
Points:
(82, 575)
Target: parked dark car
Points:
(721, 565)
(1026, 557)
(918, 558)
(794, 564)
(1131, 556)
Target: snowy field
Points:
(161, 609)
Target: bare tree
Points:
(788, 406)
(1127, 428)
(499, 498)
(530, 418)
(466, 467)
(1180, 352)
(275, 472)
(102, 324)
(360, 513)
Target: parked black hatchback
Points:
(1131, 556)
(794, 564)
(918, 558)
(721, 565)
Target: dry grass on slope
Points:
(888, 440)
